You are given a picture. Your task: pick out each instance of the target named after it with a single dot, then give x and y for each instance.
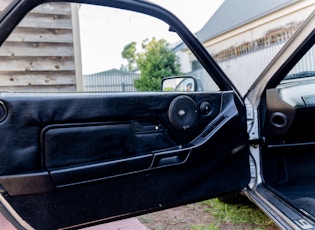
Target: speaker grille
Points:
(183, 112)
(3, 111)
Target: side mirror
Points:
(180, 83)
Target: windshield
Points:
(303, 71)
(304, 75)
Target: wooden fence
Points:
(4, 3)
(39, 55)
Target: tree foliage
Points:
(154, 62)
(129, 53)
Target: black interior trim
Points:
(91, 172)
(50, 141)
(190, 169)
(279, 116)
(31, 183)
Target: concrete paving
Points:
(127, 224)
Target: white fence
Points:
(245, 69)
(109, 82)
(307, 63)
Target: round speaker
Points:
(3, 111)
(182, 112)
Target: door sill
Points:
(284, 215)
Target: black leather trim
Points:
(31, 183)
(92, 172)
(74, 132)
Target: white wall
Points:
(244, 70)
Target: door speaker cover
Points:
(3, 111)
(182, 112)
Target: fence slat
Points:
(41, 35)
(109, 82)
(46, 21)
(37, 49)
(36, 64)
(40, 89)
(37, 78)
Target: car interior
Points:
(288, 134)
(126, 153)
(129, 153)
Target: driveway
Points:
(127, 224)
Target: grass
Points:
(211, 215)
(206, 227)
(239, 214)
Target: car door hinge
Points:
(257, 141)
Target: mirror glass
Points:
(181, 84)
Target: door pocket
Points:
(78, 153)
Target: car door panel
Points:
(30, 126)
(122, 157)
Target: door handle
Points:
(169, 158)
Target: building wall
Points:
(39, 55)
(257, 29)
(244, 70)
(238, 52)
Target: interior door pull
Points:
(170, 158)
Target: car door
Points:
(78, 158)
(282, 99)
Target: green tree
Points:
(129, 53)
(155, 62)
